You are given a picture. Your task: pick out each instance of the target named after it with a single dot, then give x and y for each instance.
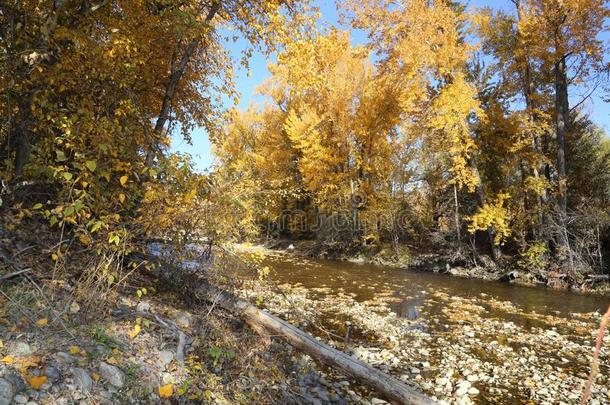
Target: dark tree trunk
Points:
(178, 69)
(562, 111)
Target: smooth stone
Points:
(7, 392)
(184, 319)
(20, 349)
(473, 391)
(461, 391)
(112, 374)
(20, 399)
(52, 373)
(143, 307)
(64, 358)
(166, 357)
(464, 383)
(442, 381)
(82, 379)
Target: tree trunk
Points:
(562, 111)
(457, 215)
(539, 232)
(177, 72)
(491, 232)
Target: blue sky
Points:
(247, 84)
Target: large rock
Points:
(112, 374)
(20, 348)
(184, 319)
(7, 392)
(82, 379)
(52, 373)
(64, 358)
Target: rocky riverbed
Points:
(457, 348)
(465, 356)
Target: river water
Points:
(460, 340)
(368, 281)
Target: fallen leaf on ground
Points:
(36, 381)
(136, 330)
(8, 360)
(166, 391)
(42, 322)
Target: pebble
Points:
(143, 307)
(473, 391)
(74, 307)
(82, 379)
(20, 399)
(461, 391)
(442, 381)
(165, 357)
(112, 374)
(464, 383)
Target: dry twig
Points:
(595, 363)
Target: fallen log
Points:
(195, 288)
(386, 385)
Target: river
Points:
(460, 340)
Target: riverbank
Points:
(70, 336)
(442, 261)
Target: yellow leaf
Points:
(166, 391)
(36, 382)
(74, 349)
(136, 329)
(122, 198)
(1, 344)
(8, 360)
(123, 180)
(95, 376)
(42, 322)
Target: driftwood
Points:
(391, 388)
(387, 386)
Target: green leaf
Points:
(53, 220)
(91, 165)
(96, 226)
(37, 206)
(67, 176)
(61, 156)
(78, 205)
(69, 211)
